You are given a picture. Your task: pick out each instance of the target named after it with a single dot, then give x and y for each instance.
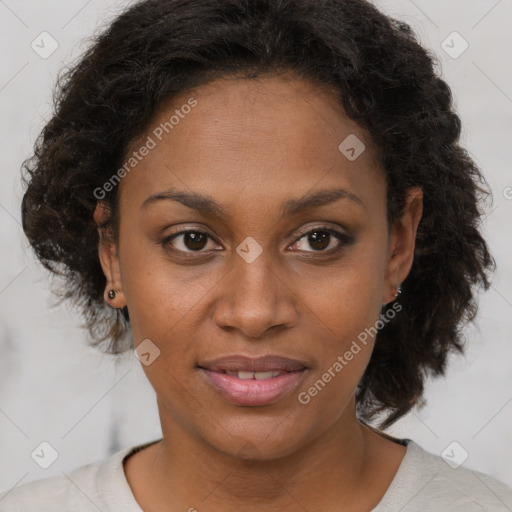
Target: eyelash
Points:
(344, 240)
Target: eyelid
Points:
(319, 227)
(198, 229)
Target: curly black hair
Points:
(386, 82)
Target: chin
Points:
(261, 438)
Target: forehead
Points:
(241, 139)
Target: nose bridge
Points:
(253, 298)
(254, 278)
(254, 272)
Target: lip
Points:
(253, 392)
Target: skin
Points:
(251, 145)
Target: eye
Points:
(321, 238)
(189, 240)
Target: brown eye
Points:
(187, 241)
(194, 241)
(319, 239)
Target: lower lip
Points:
(252, 391)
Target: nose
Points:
(255, 299)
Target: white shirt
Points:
(423, 483)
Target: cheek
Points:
(348, 298)
(160, 294)
(345, 308)
(166, 305)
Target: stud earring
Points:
(398, 291)
(112, 294)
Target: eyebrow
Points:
(206, 205)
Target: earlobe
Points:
(114, 298)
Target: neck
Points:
(344, 462)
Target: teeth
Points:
(265, 375)
(245, 375)
(255, 375)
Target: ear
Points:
(401, 244)
(109, 260)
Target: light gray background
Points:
(87, 405)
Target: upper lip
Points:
(254, 364)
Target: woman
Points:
(268, 202)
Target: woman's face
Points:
(288, 255)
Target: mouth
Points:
(250, 381)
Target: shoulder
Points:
(426, 482)
(81, 490)
(54, 493)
